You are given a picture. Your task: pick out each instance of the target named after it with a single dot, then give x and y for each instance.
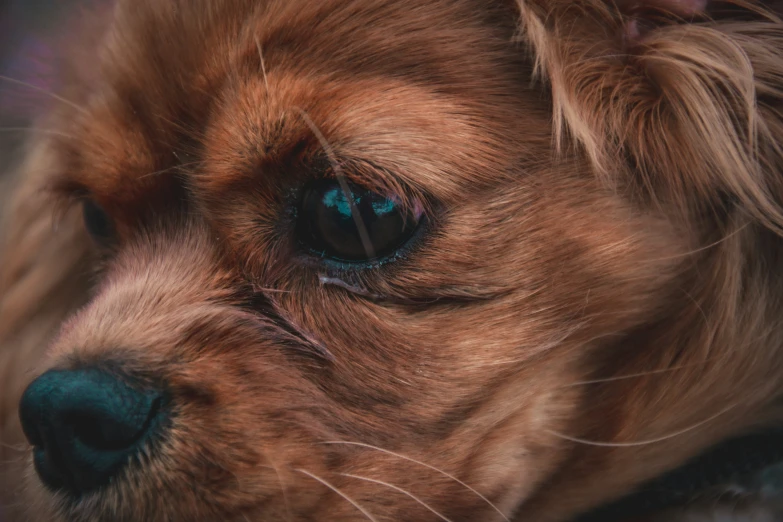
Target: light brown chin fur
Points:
(596, 299)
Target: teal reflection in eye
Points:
(336, 200)
(328, 227)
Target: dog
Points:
(463, 260)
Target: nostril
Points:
(85, 425)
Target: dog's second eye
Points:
(328, 226)
(96, 221)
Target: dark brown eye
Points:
(97, 222)
(375, 228)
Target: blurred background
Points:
(22, 22)
(25, 58)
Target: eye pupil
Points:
(328, 225)
(97, 222)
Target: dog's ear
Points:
(678, 99)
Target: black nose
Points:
(85, 425)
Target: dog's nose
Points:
(85, 425)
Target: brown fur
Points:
(603, 191)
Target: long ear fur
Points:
(692, 107)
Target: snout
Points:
(85, 425)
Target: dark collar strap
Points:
(723, 465)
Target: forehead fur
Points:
(178, 75)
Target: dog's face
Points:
(342, 269)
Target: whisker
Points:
(644, 374)
(543, 347)
(698, 306)
(17, 460)
(41, 131)
(629, 376)
(642, 442)
(19, 448)
(599, 58)
(301, 333)
(363, 234)
(399, 489)
(263, 64)
(44, 91)
(283, 490)
(266, 290)
(705, 247)
(169, 169)
(336, 490)
(433, 468)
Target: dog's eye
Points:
(353, 225)
(96, 221)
